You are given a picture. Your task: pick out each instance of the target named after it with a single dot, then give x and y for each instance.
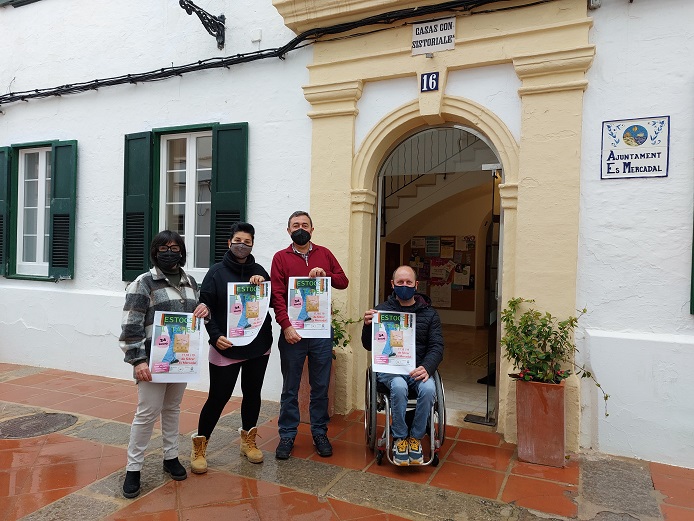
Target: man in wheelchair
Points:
(407, 446)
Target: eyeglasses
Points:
(175, 248)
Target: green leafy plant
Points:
(540, 345)
(340, 322)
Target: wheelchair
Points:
(377, 399)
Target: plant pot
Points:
(540, 417)
(305, 394)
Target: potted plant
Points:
(542, 348)
(341, 339)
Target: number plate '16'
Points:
(429, 81)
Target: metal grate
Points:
(35, 425)
(134, 241)
(60, 253)
(223, 222)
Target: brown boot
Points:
(198, 463)
(248, 446)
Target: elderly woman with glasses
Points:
(166, 287)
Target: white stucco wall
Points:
(636, 238)
(74, 325)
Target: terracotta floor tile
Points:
(25, 504)
(111, 464)
(193, 403)
(6, 368)
(48, 398)
(356, 415)
(470, 480)
(34, 379)
(88, 386)
(487, 438)
(82, 404)
(126, 418)
(553, 498)
(188, 422)
(296, 506)
(346, 511)
(211, 488)
(166, 515)
(568, 474)
(12, 481)
(19, 457)
(120, 392)
(485, 456)
(230, 407)
(355, 456)
(414, 474)
(65, 475)
(303, 446)
(162, 499)
(13, 393)
(22, 443)
(673, 513)
(266, 432)
(56, 383)
(74, 450)
(353, 433)
(112, 411)
(263, 488)
(245, 510)
(669, 470)
(679, 490)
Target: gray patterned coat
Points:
(148, 293)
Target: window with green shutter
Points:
(191, 180)
(37, 208)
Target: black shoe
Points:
(131, 485)
(323, 447)
(284, 448)
(174, 467)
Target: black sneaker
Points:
(323, 447)
(174, 467)
(284, 448)
(131, 485)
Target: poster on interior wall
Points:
(433, 246)
(418, 243)
(447, 247)
(393, 347)
(635, 148)
(461, 276)
(440, 295)
(422, 286)
(460, 243)
(176, 343)
(309, 306)
(441, 270)
(247, 306)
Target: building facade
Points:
(527, 90)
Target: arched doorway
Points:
(439, 212)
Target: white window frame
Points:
(189, 234)
(39, 268)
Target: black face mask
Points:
(301, 236)
(168, 259)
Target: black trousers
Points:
(222, 383)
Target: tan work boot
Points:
(248, 446)
(198, 463)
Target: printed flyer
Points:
(393, 347)
(309, 306)
(247, 306)
(176, 342)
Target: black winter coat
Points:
(429, 338)
(213, 293)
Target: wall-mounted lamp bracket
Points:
(213, 24)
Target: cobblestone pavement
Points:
(76, 473)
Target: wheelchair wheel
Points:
(370, 411)
(440, 411)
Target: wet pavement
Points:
(77, 472)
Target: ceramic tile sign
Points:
(246, 310)
(433, 36)
(393, 348)
(309, 306)
(635, 148)
(176, 343)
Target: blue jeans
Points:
(320, 360)
(399, 386)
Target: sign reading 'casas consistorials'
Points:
(438, 35)
(635, 148)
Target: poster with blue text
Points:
(176, 342)
(309, 306)
(393, 347)
(247, 306)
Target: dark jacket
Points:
(429, 338)
(213, 293)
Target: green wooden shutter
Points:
(229, 183)
(5, 158)
(137, 204)
(61, 244)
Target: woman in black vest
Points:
(228, 360)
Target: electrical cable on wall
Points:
(305, 38)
